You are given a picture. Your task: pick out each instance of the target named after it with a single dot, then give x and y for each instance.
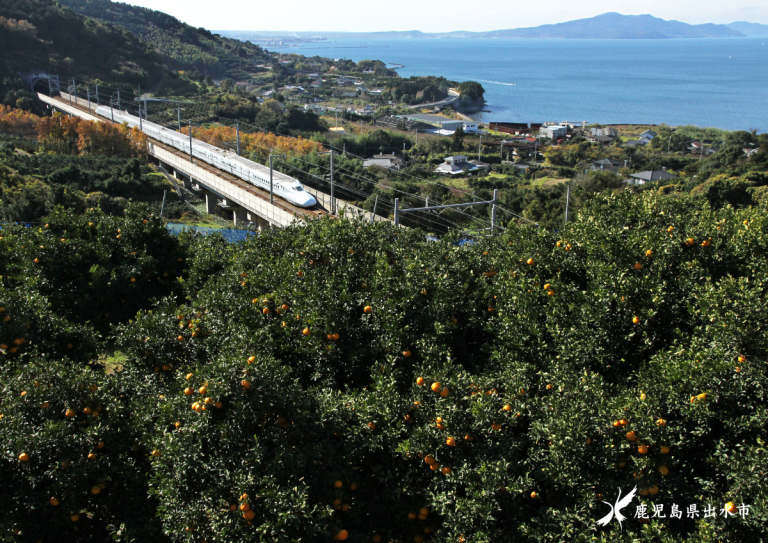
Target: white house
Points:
(554, 132)
(456, 165)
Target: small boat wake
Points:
(496, 82)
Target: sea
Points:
(719, 82)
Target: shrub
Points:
(537, 371)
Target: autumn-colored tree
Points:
(261, 144)
(72, 135)
(17, 121)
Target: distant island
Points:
(606, 26)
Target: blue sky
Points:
(439, 15)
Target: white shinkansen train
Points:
(284, 186)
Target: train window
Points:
(298, 188)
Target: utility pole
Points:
(237, 129)
(493, 210)
(97, 95)
(179, 109)
(111, 110)
(74, 84)
(141, 125)
(118, 100)
(271, 197)
(501, 152)
(162, 206)
(567, 202)
(190, 143)
(480, 148)
(88, 91)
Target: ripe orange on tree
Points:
(436, 386)
(631, 436)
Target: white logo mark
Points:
(616, 509)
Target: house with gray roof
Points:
(641, 178)
(456, 165)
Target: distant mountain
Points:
(751, 30)
(182, 47)
(606, 26)
(618, 26)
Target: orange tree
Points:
(537, 373)
(346, 381)
(73, 467)
(93, 267)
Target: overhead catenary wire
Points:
(158, 109)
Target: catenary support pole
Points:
(397, 211)
(88, 91)
(97, 96)
(119, 105)
(190, 142)
(271, 196)
(179, 109)
(333, 200)
(567, 201)
(141, 124)
(237, 128)
(111, 110)
(376, 201)
(162, 206)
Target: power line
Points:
(157, 108)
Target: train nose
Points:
(310, 201)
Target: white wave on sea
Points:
(495, 82)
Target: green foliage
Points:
(287, 379)
(181, 46)
(108, 492)
(60, 41)
(94, 268)
(471, 91)
(31, 186)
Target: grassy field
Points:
(549, 181)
